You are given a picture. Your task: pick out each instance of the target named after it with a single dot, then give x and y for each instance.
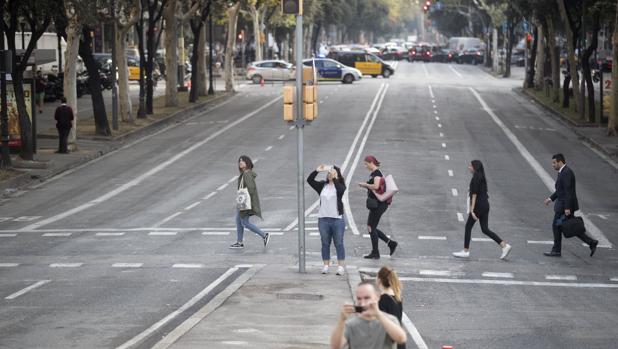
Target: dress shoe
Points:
(392, 245)
(552, 254)
(372, 256)
(593, 247)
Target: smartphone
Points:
(359, 309)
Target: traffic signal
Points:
(292, 7)
(427, 6)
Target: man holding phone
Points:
(364, 326)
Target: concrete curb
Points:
(573, 126)
(27, 178)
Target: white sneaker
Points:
(462, 254)
(325, 269)
(340, 270)
(505, 251)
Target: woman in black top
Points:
(376, 208)
(390, 300)
(479, 211)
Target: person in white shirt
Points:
(331, 223)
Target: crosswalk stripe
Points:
(109, 234)
(435, 272)
(127, 265)
(216, 233)
(489, 274)
(188, 265)
(561, 277)
(546, 242)
(57, 234)
(162, 233)
(421, 237)
(66, 265)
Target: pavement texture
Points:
(131, 250)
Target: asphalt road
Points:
(97, 257)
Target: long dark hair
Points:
(479, 171)
(247, 161)
(340, 178)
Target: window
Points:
(266, 65)
(330, 64)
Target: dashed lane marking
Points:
(598, 246)
(561, 277)
(314, 234)
(446, 157)
(57, 234)
(210, 195)
(231, 180)
(292, 127)
(216, 233)
(435, 112)
(614, 279)
(281, 137)
(193, 205)
(8, 235)
(66, 265)
(8, 265)
(434, 106)
(163, 233)
(431, 92)
(460, 217)
(441, 135)
(435, 272)
(276, 233)
(489, 274)
(443, 145)
(109, 234)
(188, 265)
(167, 219)
(450, 173)
(537, 242)
(268, 148)
(454, 192)
(437, 118)
(482, 239)
(27, 289)
(223, 186)
(440, 125)
(127, 265)
(455, 71)
(429, 237)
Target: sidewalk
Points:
(276, 308)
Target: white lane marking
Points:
(8, 235)
(5, 219)
(614, 279)
(454, 192)
(57, 234)
(311, 222)
(443, 145)
(561, 277)
(413, 331)
(109, 234)
(482, 239)
(537, 242)
(434, 106)
(268, 148)
(598, 246)
(281, 137)
(314, 234)
(308, 228)
(152, 329)
(455, 71)
(435, 272)
(441, 134)
(275, 233)
(223, 186)
(138, 180)
(425, 70)
(367, 236)
(26, 218)
(197, 203)
(439, 125)
(167, 219)
(313, 215)
(163, 233)
(66, 265)
(344, 166)
(431, 93)
(433, 101)
(127, 265)
(209, 195)
(435, 112)
(231, 180)
(446, 157)
(431, 237)
(437, 118)
(189, 266)
(509, 282)
(292, 127)
(540, 171)
(215, 233)
(489, 274)
(27, 289)
(450, 173)
(8, 265)
(460, 217)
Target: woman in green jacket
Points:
(247, 180)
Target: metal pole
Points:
(113, 71)
(5, 160)
(211, 87)
(60, 68)
(23, 36)
(299, 127)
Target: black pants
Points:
(63, 137)
(372, 222)
(557, 229)
(483, 217)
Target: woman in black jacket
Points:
(479, 211)
(390, 302)
(330, 216)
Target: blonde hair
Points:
(389, 279)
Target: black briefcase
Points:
(573, 226)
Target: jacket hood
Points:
(250, 172)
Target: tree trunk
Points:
(196, 28)
(201, 64)
(125, 107)
(539, 76)
(571, 38)
(70, 74)
(531, 69)
(94, 84)
(612, 125)
(171, 54)
(229, 49)
(587, 73)
(510, 40)
(554, 59)
(285, 48)
(151, 47)
(496, 58)
(255, 17)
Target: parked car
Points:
(471, 56)
(367, 63)
(420, 53)
(331, 70)
(270, 70)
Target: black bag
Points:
(573, 226)
(372, 203)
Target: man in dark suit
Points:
(565, 205)
(64, 121)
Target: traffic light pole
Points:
(300, 123)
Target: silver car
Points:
(270, 70)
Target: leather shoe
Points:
(593, 247)
(372, 256)
(552, 254)
(392, 245)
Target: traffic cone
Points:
(262, 82)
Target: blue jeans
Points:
(242, 223)
(332, 229)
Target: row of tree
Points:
(577, 23)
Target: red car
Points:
(420, 53)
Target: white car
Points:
(270, 70)
(331, 70)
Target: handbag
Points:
(243, 198)
(371, 203)
(573, 226)
(388, 188)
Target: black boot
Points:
(372, 255)
(392, 245)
